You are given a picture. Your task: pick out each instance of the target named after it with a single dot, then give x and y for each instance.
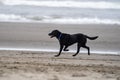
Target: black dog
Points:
(66, 40)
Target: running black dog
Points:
(66, 40)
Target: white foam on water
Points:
(12, 17)
(62, 20)
(82, 21)
(54, 50)
(66, 3)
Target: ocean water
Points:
(61, 11)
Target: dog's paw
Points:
(73, 55)
(57, 55)
(66, 50)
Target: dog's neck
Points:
(59, 37)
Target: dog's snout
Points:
(49, 34)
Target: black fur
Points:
(66, 40)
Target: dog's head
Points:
(54, 33)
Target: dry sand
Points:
(21, 65)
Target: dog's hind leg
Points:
(87, 49)
(78, 49)
(61, 47)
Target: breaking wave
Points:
(65, 3)
(49, 19)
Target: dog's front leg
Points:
(61, 47)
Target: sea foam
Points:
(68, 3)
(61, 20)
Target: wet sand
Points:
(35, 35)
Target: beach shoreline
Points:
(28, 53)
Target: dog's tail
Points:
(91, 38)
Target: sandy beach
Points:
(42, 65)
(21, 65)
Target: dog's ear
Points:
(56, 30)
